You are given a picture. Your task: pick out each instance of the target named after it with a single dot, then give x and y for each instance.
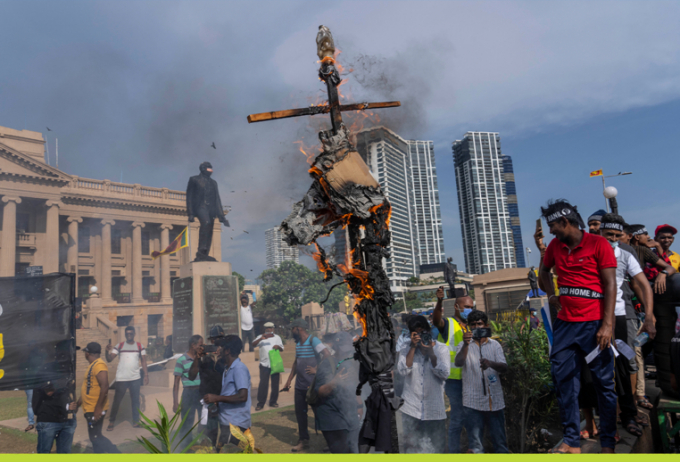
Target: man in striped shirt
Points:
(482, 360)
(191, 396)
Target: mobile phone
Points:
(539, 225)
(481, 332)
(209, 348)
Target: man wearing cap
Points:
(594, 222)
(211, 367)
(665, 235)
(267, 342)
(247, 331)
(94, 399)
(451, 333)
(586, 274)
(307, 349)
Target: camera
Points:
(210, 348)
(481, 332)
(426, 338)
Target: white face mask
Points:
(614, 244)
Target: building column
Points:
(72, 253)
(165, 264)
(105, 283)
(51, 262)
(9, 236)
(137, 262)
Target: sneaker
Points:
(302, 445)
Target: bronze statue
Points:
(203, 202)
(533, 281)
(450, 273)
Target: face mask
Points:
(465, 313)
(614, 244)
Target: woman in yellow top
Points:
(94, 399)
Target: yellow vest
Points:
(455, 334)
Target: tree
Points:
(241, 280)
(286, 288)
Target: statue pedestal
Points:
(205, 295)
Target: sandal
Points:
(644, 403)
(585, 435)
(259, 407)
(633, 428)
(642, 421)
(29, 428)
(110, 427)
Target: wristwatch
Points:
(665, 272)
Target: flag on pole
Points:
(596, 173)
(180, 242)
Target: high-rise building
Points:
(427, 215)
(513, 210)
(277, 250)
(482, 177)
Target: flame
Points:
(321, 263)
(307, 150)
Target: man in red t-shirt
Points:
(586, 275)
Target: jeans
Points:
(572, 342)
(494, 421)
(50, 431)
(29, 407)
(423, 436)
(248, 336)
(337, 441)
(301, 413)
(100, 443)
(454, 391)
(263, 388)
(191, 405)
(121, 388)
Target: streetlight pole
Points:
(604, 190)
(528, 251)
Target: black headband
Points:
(616, 226)
(640, 231)
(566, 212)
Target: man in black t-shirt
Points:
(211, 367)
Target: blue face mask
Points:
(614, 244)
(465, 313)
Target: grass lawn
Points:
(13, 407)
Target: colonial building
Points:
(100, 230)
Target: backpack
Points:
(139, 351)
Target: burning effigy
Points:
(345, 194)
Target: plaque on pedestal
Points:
(221, 304)
(182, 313)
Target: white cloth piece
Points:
(129, 362)
(204, 413)
(265, 346)
(627, 264)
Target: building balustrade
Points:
(107, 186)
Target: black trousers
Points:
(301, 413)
(337, 441)
(263, 388)
(121, 388)
(248, 336)
(205, 232)
(622, 373)
(100, 443)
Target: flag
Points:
(547, 325)
(180, 242)
(596, 173)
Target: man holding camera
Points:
(210, 364)
(191, 395)
(481, 362)
(267, 342)
(425, 366)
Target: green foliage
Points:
(527, 385)
(286, 288)
(165, 432)
(416, 300)
(241, 280)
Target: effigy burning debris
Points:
(344, 193)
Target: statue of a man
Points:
(450, 274)
(203, 202)
(533, 281)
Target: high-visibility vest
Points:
(455, 337)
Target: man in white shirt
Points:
(247, 333)
(267, 342)
(132, 358)
(425, 365)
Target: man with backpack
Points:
(309, 351)
(132, 357)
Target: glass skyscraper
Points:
(277, 250)
(487, 201)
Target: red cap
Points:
(669, 228)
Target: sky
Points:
(138, 90)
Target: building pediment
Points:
(18, 164)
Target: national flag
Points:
(596, 173)
(180, 242)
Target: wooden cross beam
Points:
(329, 74)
